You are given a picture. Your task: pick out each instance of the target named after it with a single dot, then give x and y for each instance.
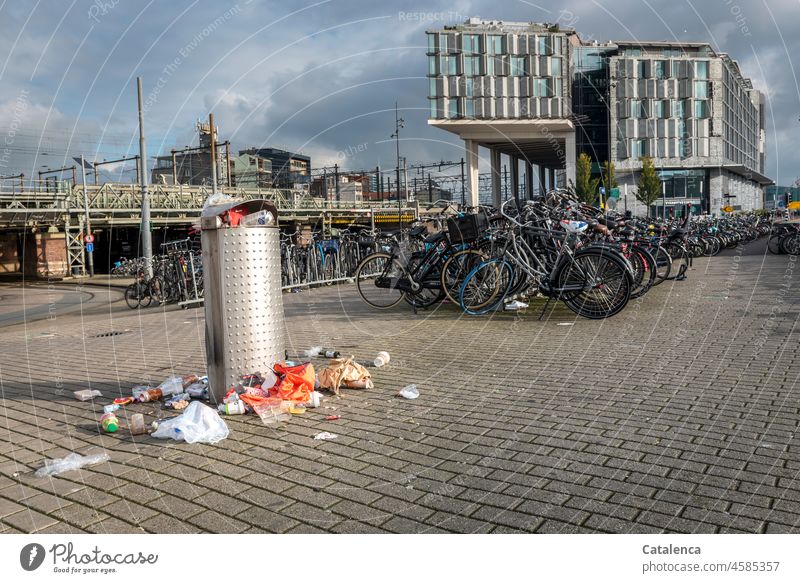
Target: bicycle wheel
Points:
(485, 286)
(774, 244)
(606, 282)
(790, 244)
(648, 278)
(133, 295)
(377, 279)
(663, 264)
(156, 290)
(680, 260)
(456, 269)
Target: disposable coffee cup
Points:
(137, 424)
(382, 359)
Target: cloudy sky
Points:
(320, 77)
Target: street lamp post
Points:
(398, 124)
(89, 250)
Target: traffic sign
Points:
(89, 247)
(727, 209)
(794, 205)
(88, 238)
(614, 193)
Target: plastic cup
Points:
(382, 359)
(137, 424)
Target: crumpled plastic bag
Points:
(347, 372)
(73, 461)
(197, 424)
(295, 383)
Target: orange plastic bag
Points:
(295, 383)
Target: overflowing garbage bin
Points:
(242, 278)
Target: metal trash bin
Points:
(243, 303)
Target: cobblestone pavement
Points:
(679, 415)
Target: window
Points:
(518, 66)
(452, 108)
(434, 112)
(432, 88)
(676, 69)
(541, 44)
(469, 108)
(701, 89)
(678, 108)
(541, 87)
(633, 52)
(472, 66)
(448, 65)
(431, 43)
(556, 84)
(555, 66)
(701, 108)
(637, 148)
(494, 44)
(661, 108)
(471, 43)
(432, 66)
(443, 43)
(672, 52)
(469, 87)
(637, 109)
(701, 69)
(556, 40)
(640, 69)
(660, 69)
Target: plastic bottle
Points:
(171, 386)
(315, 399)
(151, 395)
(382, 359)
(109, 422)
(233, 408)
(110, 408)
(261, 218)
(330, 353)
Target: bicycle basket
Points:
(466, 227)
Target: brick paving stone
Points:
(29, 520)
(544, 438)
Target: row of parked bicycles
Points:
(177, 276)
(784, 239)
(555, 247)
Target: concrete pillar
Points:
(542, 185)
(471, 148)
(496, 169)
(528, 180)
(569, 153)
(514, 176)
(551, 177)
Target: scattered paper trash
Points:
(409, 392)
(87, 394)
(73, 461)
(197, 424)
(565, 324)
(325, 436)
(515, 305)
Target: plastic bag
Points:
(295, 383)
(215, 202)
(73, 461)
(197, 424)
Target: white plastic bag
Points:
(73, 461)
(218, 202)
(197, 424)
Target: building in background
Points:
(351, 187)
(251, 171)
(692, 111)
(193, 165)
(538, 95)
(505, 86)
(289, 169)
(779, 197)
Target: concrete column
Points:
(514, 170)
(497, 194)
(471, 148)
(551, 177)
(528, 180)
(569, 153)
(542, 185)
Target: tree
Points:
(649, 184)
(609, 179)
(585, 185)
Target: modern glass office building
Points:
(539, 95)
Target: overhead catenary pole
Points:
(463, 186)
(89, 254)
(213, 154)
(147, 237)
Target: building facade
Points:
(539, 95)
(692, 111)
(289, 169)
(251, 171)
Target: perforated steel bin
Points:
(244, 308)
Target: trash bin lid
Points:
(211, 217)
